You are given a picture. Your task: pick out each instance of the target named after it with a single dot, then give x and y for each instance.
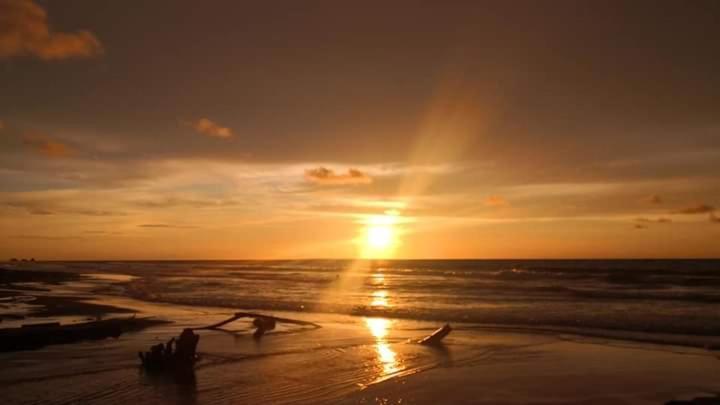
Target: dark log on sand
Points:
(436, 337)
(30, 337)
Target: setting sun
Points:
(381, 236)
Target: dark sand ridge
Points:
(37, 317)
(13, 290)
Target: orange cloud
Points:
(206, 127)
(48, 147)
(495, 201)
(714, 218)
(323, 175)
(697, 209)
(24, 30)
(165, 226)
(661, 220)
(654, 199)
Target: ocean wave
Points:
(675, 297)
(633, 317)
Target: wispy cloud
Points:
(697, 209)
(661, 220)
(31, 207)
(53, 208)
(207, 127)
(654, 199)
(44, 237)
(48, 147)
(25, 31)
(96, 213)
(323, 175)
(170, 202)
(165, 226)
(496, 201)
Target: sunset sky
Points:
(178, 129)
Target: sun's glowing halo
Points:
(381, 235)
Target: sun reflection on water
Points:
(378, 279)
(380, 299)
(386, 357)
(378, 327)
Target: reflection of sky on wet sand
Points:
(387, 359)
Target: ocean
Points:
(650, 296)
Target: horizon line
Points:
(34, 260)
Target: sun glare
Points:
(380, 237)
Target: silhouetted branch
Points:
(264, 321)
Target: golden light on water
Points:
(380, 299)
(378, 327)
(387, 359)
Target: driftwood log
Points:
(180, 354)
(176, 354)
(262, 323)
(435, 338)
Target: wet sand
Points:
(28, 297)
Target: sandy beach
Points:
(349, 359)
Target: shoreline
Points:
(355, 359)
(74, 308)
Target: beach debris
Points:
(262, 323)
(180, 354)
(176, 354)
(436, 337)
(35, 336)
